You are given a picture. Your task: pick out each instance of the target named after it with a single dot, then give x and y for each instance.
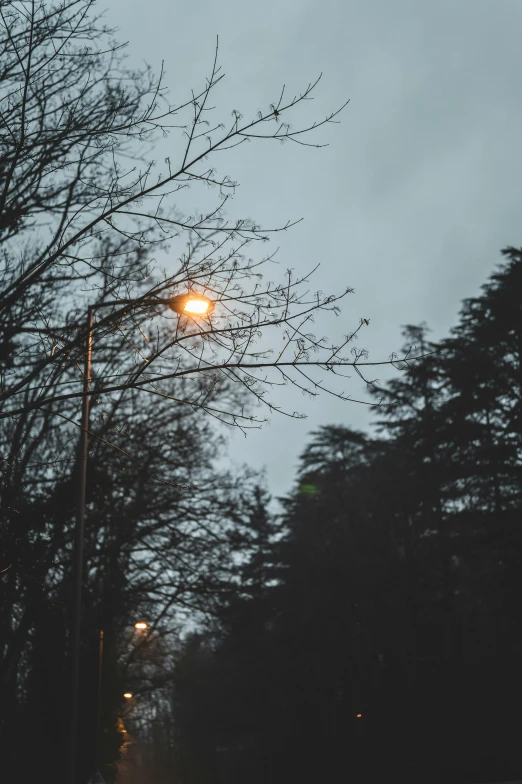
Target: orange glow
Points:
(191, 304)
(141, 625)
(359, 715)
(128, 695)
(196, 305)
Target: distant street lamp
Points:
(189, 304)
(139, 625)
(128, 695)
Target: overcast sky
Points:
(419, 188)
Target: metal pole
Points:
(98, 717)
(78, 556)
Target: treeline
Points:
(376, 632)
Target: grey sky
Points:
(419, 188)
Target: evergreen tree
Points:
(392, 587)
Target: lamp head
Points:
(191, 305)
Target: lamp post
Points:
(78, 551)
(141, 626)
(188, 304)
(98, 707)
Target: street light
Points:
(139, 625)
(189, 304)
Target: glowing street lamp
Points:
(188, 304)
(191, 305)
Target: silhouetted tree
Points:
(392, 586)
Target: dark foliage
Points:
(384, 641)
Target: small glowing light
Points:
(197, 306)
(141, 625)
(359, 715)
(128, 695)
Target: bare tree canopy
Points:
(83, 205)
